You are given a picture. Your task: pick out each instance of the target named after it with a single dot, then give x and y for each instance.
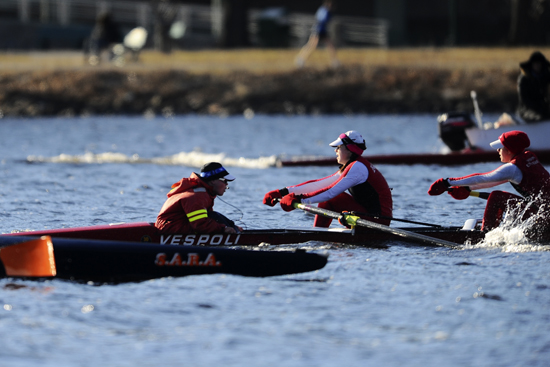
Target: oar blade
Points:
(32, 258)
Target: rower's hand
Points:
(439, 187)
(459, 192)
(271, 198)
(288, 200)
(229, 230)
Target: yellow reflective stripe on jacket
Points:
(197, 214)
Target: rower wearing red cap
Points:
(522, 169)
(369, 195)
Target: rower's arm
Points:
(505, 173)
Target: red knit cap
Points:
(515, 141)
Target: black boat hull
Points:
(114, 261)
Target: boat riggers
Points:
(389, 218)
(220, 218)
(354, 221)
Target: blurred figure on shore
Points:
(319, 33)
(164, 15)
(533, 83)
(104, 34)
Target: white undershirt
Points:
(357, 174)
(506, 173)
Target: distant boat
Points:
(538, 132)
(461, 134)
(468, 143)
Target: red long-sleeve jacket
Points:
(186, 209)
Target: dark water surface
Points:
(487, 305)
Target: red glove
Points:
(287, 201)
(439, 187)
(459, 192)
(270, 197)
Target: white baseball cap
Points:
(352, 140)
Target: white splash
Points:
(512, 233)
(191, 159)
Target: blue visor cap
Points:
(215, 171)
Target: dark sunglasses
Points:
(346, 139)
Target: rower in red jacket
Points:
(522, 169)
(369, 195)
(189, 207)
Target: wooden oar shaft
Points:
(354, 221)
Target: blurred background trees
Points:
(191, 24)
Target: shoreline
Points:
(397, 83)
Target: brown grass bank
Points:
(230, 82)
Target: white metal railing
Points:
(349, 30)
(130, 13)
(198, 19)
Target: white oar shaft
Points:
(354, 220)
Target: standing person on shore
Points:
(319, 33)
(521, 168)
(104, 34)
(189, 207)
(533, 83)
(369, 194)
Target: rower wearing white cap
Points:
(189, 207)
(522, 169)
(369, 195)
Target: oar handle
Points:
(477, 194)
(481, 195)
